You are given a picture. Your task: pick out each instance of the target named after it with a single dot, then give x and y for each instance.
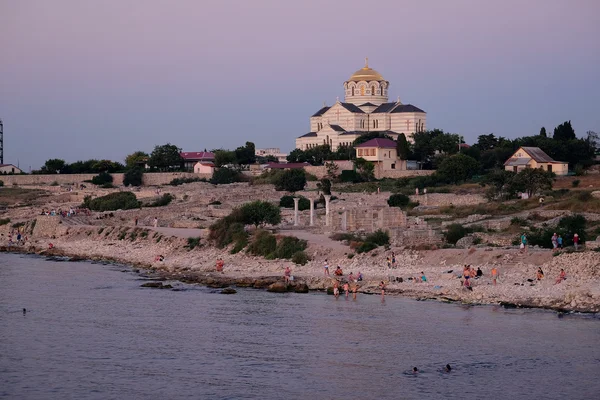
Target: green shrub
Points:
(263, 244)
(351, 256)
(4, 221)
(300, 258)
(1, 183)
(455, 232)
(579, 170)
(214, 203)
(287, 201)
(107, 185)
(18, 225)
(350, 176)
(518, 221)
(379, 237)
(398, 200)
(162, 201)
(133, 177)
(260, 212)
(365, 247)
(575, 183)
(223, 176)
(288, 246)
(292, 180)
(229, 230)
(345, 236)
(102, 178)
(181, 181)
(112, 202)
(192, 243)
(584, 196)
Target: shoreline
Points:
(306, 283)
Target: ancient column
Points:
(327, 199)
(296, 200)
(312, 212)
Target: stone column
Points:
(312, 212)
(296, 200)
(327, 199)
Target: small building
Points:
(204, 168)
(534, 157)
(9, 169)
(274, 152)
(190, 158)
(382, 152)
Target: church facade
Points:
(365, 109)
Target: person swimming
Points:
(24, 311)
(447, 368)
(415, 370)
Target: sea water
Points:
(91, 332)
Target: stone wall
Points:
(367, 219)
(321, 171)
(447, 199)
(149, 179)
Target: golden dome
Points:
(366, 74)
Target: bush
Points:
(575, 183)
(584, 196)
(579, 170)
(325, 186)
(288, 246)
(1, 183)
(133, 177)
(214, 203)
(378, 237)
(107, 185)
(292, 180)
(223, 176)
(4, 221)
(287, 201)
(398, 200)
(229, 230)
(102, 178)
(181, 181)
(518, 221)
(350, 176)
(112, 202)
(163, 200)
(344, 236)
(365, 247)
(300, 258)
(455, 232)
(263, 244)
(193, 242)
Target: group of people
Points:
(65, 213)
(391, 261)
(469, 274)
(16, 238)
(556, 240)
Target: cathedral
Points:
(365, 109)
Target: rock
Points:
(301, 288)
(166, 287)
(277, 287)
(228, 291)
(158, 285)
(465, 243)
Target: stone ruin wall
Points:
(448, 199)
(149, 179)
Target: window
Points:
(393, 166)
(362, 90)
(360, 152)
(373, 91)
(353, 91)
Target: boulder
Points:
(277, 287)
(228, 291)
(301, 288)
(465, 243)
(157, 285)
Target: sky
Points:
(102, 79)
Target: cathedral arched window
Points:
(373, 91)
(352, 90)
(362, 90)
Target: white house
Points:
(382, 152)
(204, 168)
(9, 169)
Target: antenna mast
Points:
(1, 143)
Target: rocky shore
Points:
(517, 286)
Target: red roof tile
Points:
(197, 155)
(381, 143)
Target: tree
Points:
(166, 157)
(102, 178)
(402, 147)
(592, 140)
(487, 142)
(136, 159)
(260, 212)
(422, 147)
(296, 156)
(446, 143)
(333, 171)
(223, 176)
(54, 166)
(564, 132)
(543, 132)
(246, 155)
(224, 158)
(531, 180)
(133, 177)
(365, 169)
(499, 181)
(457, 168)
(398, 200)
(292, 180)
(325, 186)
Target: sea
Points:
(91, 332)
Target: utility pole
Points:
(1, 142)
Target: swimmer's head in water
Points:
(448, 367)
(415, 369)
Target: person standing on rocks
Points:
(346, 289)
(287, 274)
(382, 287)
(554, 241)
(559, 241)
(336, 288)
(524, 243)
(576, 241)
(494, 275)
(561, 277)
(155, 222)
(326, 267)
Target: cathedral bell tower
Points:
(366, 86)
